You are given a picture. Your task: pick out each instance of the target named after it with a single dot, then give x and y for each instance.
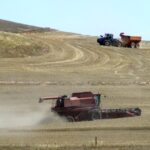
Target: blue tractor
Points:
(108, 40)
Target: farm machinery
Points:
(130, 41)
(125, 41)
(108, 40)
(86, 106)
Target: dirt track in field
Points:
(74, 63)
(72, 56)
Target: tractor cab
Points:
(108, 36)
(107, 39)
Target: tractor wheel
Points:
(107, 43)
(116, 43)
(133, 45)
(70, 119)
(94, 115)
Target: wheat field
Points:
(62, 64)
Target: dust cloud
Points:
(12, 118)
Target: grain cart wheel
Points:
(132, 45)
(70, 119)
(107, 43)
(137, 45)
(119, 44)
(94, 115)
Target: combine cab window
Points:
(97, 99)
(60, 101)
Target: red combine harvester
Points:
(130, 41)
(86, 106)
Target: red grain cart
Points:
(130, 41)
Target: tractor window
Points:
(110, 36)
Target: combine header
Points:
(86, 106)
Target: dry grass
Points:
(9, 26)
(16, 45)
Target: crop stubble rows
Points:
(76, 62)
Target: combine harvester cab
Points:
(130, 41)
(86, 106)
(77, 107)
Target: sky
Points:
(89, 17)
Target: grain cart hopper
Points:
(86, 106)
(130, 41)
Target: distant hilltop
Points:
(10, 26)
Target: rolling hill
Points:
(16, 42)
(70, 54)
(9, 26)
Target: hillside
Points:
(15, 40)
(9, 26)
(68, 54)
(14, 45)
